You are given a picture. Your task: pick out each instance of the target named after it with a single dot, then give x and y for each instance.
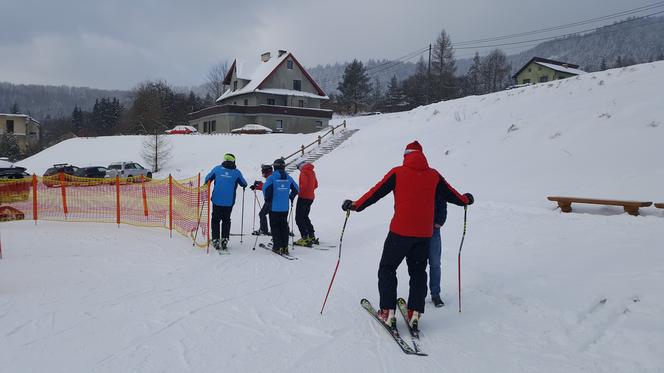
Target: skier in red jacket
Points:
(308, 185)
(415, 186)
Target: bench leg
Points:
(565, 206)
(632, 210)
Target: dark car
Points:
(52, 175)
(93, 172)
(14, 184)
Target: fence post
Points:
(302, 149)
(344, 124)
(170, 205)
(198, 192)
(63, 188)
(319, 138)
(332, 130)
(117, 200)
(208, 216)
(145, 196)
(34, 198)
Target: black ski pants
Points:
(279, 224)
(302, 217)
(416, 252)
(221, 214)
(262, 216)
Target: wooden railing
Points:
(318, 141)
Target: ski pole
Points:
(253, 225)
(290, 228)
(343, 229)
(242, 218)
(465, 214)
(200, 214)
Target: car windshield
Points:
(115, 167)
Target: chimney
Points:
(281, 52)
(265, 56)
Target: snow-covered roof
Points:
(560, 68)
(258, 72)
(20, 116)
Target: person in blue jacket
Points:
(226, 179)
(277, 190)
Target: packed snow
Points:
(543, 291)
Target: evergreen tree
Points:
(602, 65)
(377, 96)
(474, 82)
(15, 109)
(354, 86)
(415, 87)
(443, 66)
(77, 121)
(9, 147)
(394, 95)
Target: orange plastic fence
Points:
(168, 203)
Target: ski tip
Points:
(401, 300)
(364, 300)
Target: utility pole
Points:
(429, 78)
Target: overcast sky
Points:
(119, 43)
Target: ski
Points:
(287, 256)
(414, 333)
(317, 247)
(223, 252)
(405, 347)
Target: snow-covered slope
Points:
(543, 291)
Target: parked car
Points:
(182, 130)
(91, 172)
(14, 184)
(52, 175)
(131, 171)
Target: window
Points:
(213, 126)
(543, 79)
(205, 127)
(300, 103)
(530, 70)
(235, 85)
(297, 85)
(319, 124)
(289, 64)
(539, 68)
(129, 166)
(246, 102)
(526, 81)
(270, 101)
(280, 125)
(10, 126)
(234, 102)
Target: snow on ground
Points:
(543, 291)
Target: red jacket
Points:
(307, 182)
(415, 186)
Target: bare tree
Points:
(215, 79)
(156, 150)
(495, 71)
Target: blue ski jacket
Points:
(226, 179)
(278, 189)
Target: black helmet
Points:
(265, 168)
(279, 164)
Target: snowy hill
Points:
(543, 291)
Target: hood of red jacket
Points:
(307, 167)
(416, 160)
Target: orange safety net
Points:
(172, 204)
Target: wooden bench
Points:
(631, 207)
(659, 205)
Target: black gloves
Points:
(252, 187)
(347, 205)
(470, 198)
(255, 185)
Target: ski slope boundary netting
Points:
(172, 204)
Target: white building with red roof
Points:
(275, 92)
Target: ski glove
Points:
(252, 187)
(348, 205)
(470, 198)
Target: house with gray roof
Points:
(540, 70)
(275, 92)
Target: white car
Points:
(131, 171)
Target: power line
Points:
(568, 25)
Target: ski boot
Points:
(313, 240)
(224, 244)
(216, 244)
(388, 317)
(284, 250)
(413, 319)
(437, 301)
(303, 242)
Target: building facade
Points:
(277, 93)
(540, 70)
(24, 127)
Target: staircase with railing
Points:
(318, 148)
